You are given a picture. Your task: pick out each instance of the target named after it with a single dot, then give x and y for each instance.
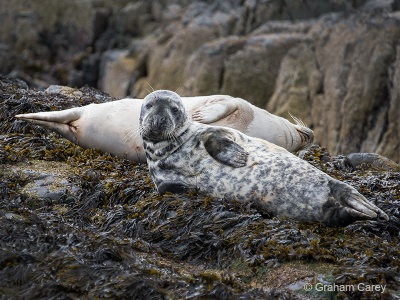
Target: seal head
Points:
(162, 116)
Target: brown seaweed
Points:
(117, 238)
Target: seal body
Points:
(222, 162)
(114, 126)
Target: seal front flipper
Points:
(214, 110)
(224, 149)
(172, 186)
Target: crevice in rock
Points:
(245, 17)
(377, 121)
(286, 6)
(221, 77)
(386, 104)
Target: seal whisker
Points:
(175, 136)
(143, 130)
(297, 120)
(133, 133)
(171, 137)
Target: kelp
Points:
(115, 237)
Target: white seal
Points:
(114, 126)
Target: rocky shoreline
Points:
(78, 224)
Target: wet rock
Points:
(47, 180)
(8, 80)
(67, 91)
(372, 160)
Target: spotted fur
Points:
(222, 162)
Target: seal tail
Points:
(346, 206)
(60, 122)
(305, 133)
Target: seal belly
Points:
(289, 195)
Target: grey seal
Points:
(186, 155)
(114, 126)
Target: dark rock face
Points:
(334, 64)
(344, 85)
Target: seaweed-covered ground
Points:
(80, 224)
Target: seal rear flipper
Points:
(341, 216)
(63, 116)
(346, 205)
(172, 186)
(60, 122)
(224, 150)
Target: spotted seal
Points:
(113, 126)
(186, 155)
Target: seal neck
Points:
(156, 150)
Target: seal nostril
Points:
(157, 122)
(160, 121)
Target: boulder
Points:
(344, 85)
(167, 58)
(117, 70)
(45, 36)
(355, 81)
(298, 83)
(262, 55)
(389, 144)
